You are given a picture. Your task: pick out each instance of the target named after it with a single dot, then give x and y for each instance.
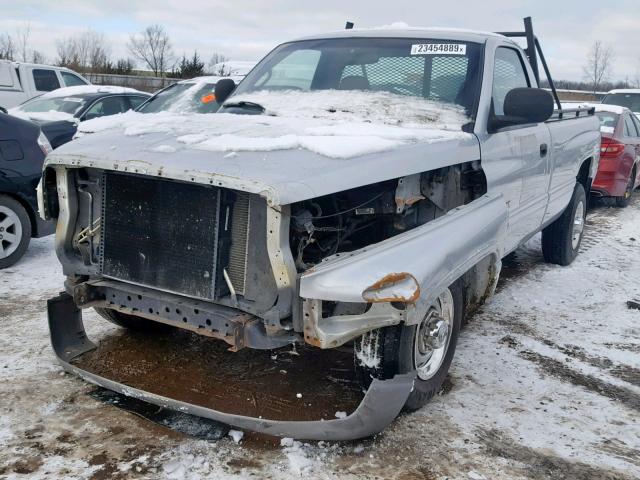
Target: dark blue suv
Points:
(23, 149)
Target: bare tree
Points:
(23, 34)
(7, 47)
(216, 64)
(86, 52)
(66, 50)
(38, 57)
(600, 59)
(152, 46)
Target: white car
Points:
(21, 81)
(624, 97)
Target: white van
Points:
(21, 81)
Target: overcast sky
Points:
(247, 29)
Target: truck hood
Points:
(283, 158)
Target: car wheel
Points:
(131, 322)
(561, 239)
(15, 231)
(624, 200)
(426, 348)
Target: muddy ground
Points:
(545, 384)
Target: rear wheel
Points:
(561, 240)
(131, 322)
(624, 200)
(426, 348)
(15, 231)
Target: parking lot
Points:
(545, 384)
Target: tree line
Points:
(89, 52)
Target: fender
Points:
(434, 254)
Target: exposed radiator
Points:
(237, 267)
(165, 234)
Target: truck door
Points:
(516, 159)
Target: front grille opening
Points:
(165, 234)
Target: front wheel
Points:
(561, 239)
(15, 231)
(426, 348)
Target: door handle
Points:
(543, 150)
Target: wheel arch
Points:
(479, 283)
(585, 174)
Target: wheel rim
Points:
(433, 336)
(578, 225)
(10, 231)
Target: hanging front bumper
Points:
(379, 407)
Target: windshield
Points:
(183, 98)
(70, 105)
(439, 70)
(629, 100)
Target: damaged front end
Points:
(381, 404)
(204, 254)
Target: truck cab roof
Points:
(393, 31)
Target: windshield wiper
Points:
(245, 105)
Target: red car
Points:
(619, 171)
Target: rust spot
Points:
(393, 280)
(408, 201)
(312, 341)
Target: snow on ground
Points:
(323, 122)
(545, 384)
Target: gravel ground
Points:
(545, 384)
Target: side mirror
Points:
(224, 88)
(522, 106)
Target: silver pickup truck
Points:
(357, 188)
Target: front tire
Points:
(15, 231)
(426, 348)
(561, 239)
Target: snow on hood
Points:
(360, 106)
(50, 116)
(336, 124)
(87, 89)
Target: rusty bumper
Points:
(381, 404)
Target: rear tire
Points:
(402, 349)
(131, 322)
(561, 240)
(15, 231)
(625, 199)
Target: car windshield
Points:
(191, 97)
(440, 70)
(70, 105)
(629, 100)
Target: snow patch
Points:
(87, 89)
(368, 351)
(163, 149)
(360, 106)
(50, 116)
(335, 124)
(341, 414)
(299, 461)
(236, 435)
